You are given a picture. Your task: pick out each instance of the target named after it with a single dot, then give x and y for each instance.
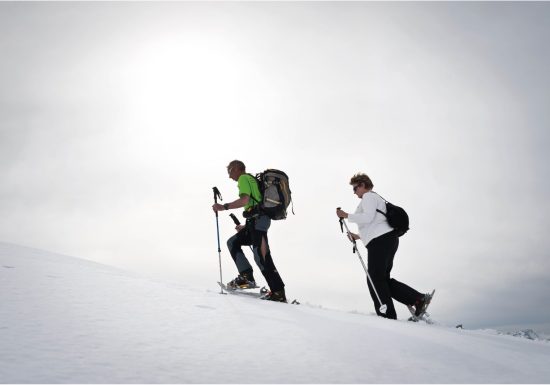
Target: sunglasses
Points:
(356, 187)
(229, 170)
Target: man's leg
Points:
(234, 244)
(262, 254)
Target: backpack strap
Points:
(251, 192)
(380, 196)
(380, 211)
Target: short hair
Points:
(363, 179)
(238, 164)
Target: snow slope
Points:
(67, 320)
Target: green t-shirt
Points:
(248, 186)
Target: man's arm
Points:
(241, 202)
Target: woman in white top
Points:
(382, 243)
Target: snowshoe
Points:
(418, 310)
(277, 296)
(241, 282)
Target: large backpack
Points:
(275, 191)
(397, 217)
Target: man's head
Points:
(235, 169)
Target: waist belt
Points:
(253, 212)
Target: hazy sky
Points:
(116, 119)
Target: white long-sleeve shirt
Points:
(370, 222)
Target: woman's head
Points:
(361, 184)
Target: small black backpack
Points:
(397, 217)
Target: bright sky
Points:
(116, 119)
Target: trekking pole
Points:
(237, 223)
(235, 220)
(383, 308)
(216, 196)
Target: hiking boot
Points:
(241, 282)
(277, 296)
(421, 304)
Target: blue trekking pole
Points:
(383, 307)
(216, 196)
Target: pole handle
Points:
(342, 224)
(217, 194)
(235, 220)
(341, 221)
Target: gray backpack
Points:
(276, 195)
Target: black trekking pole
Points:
(235, 219)
(383, 308)
(237, 223)
(216, 196)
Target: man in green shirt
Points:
(253, 233)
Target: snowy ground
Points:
(67, 320)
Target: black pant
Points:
(381, 252)
(252, 234)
